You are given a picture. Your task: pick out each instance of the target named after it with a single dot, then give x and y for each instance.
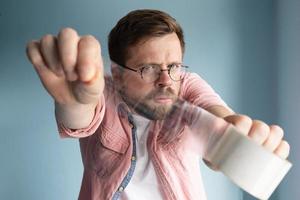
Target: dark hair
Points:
(138, 25)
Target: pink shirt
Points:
(108, 145)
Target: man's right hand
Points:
(71, 69)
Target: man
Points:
(127, 151)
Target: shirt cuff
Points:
(65, 132)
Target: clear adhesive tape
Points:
(248, 164)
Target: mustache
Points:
(168, 92)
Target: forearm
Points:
(76, 116)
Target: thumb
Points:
(89, 91)
(242, 122)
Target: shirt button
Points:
(121, 189)
(133, 158)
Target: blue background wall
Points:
(247, 50)
(288, 62)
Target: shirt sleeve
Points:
(65, 132)
(197, 91)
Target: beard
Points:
(146, 106)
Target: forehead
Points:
(161, 50)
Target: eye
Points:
(150, 69)
(174, 66)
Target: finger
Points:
(274, 138)
(242, 122)
(259, 131)
(35, 57)
(48, 47)
(283, 149)
(89, 58)
(67, 45)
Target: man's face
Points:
(153, 100)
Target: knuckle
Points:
(261, 125)
(277, 130)
(262, 128)
(47, 39)
(89, 40)
(67, 31)
(244, 119)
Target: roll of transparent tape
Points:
(249, 165)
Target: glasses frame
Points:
(140, 70)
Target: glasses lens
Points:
(150, 73)
(177, 72)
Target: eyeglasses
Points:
(151, 72)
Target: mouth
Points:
(163, 100)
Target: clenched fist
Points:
(270, 137)
(71, 69)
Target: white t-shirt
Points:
(143, 184)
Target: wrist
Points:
(75, 116)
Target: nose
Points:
(164, 79)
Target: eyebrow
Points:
(158, 64)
